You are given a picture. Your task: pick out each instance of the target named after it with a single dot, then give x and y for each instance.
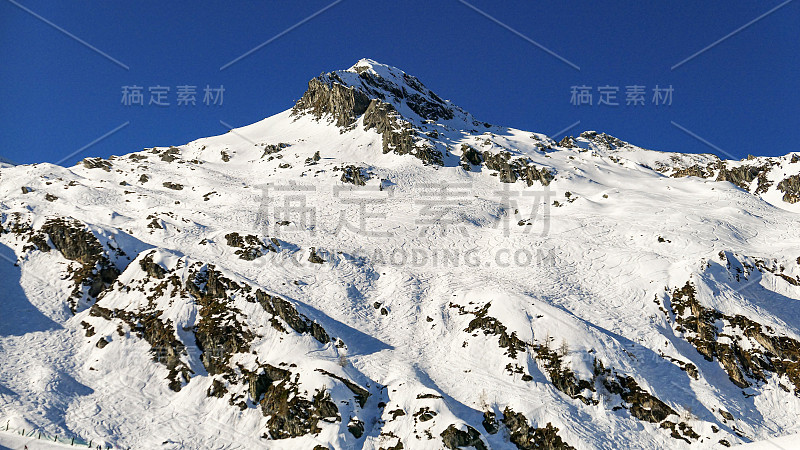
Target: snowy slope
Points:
(376, 266)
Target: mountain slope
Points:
(376, 267)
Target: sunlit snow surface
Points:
(585, 274)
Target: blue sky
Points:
(740, 96)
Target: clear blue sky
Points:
(742, 95)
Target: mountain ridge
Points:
(355, 273)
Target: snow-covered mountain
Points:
(376, 268)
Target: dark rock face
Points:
(170, 154)
(77, 243)
(327, 95)
(219, 333)
(354, 175)
(693, 171)
(791, 188)
(603, 140)
(165, 346)
(567, 142)
(521, 168)
(250, 246)
(274, 148)
(314, 258)
(453, 438)
(97, 163)
(399, 136)
(173, 186)
(753, 348)
(526, 437)
(151, 268)
(291, 414)
(470, 157)
(356, 428)
(641, 404)
(742, 176)
(490, 325)
(490, 422)
(297, 321)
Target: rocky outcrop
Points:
(692, 171)
(526, 437)
(219, 332)
(97, 163)
(603, 140)
(328, 96)
(273, 148)
(291, 414)
(173, 186)
(398, 135)
(454, 438)
(281, 308)
(78, 243)
(354, 175)
(791, 189)
(640, 403)
(743, 175)
(250, 247)
(165, 346)
(746, 349)
(470, 157)
(510, 170)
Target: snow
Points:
(586, 274)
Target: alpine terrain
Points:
(376, 268)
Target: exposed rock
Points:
(354, 175)
(173, 186)
(291, 414)
(314, 258)
(151, 268)
(171, 154)
(470, 157)
(603, 140)
(692, 171)
(76, 243)
(361, 395)
(356, 428)
(742, 176)
(327, 95)
(399, 135)
(219, 332)
(97, 163)
(526, 437)
(165, 346)
(747, 350)
(274, 148)
(791, 188)
(490, 422)
(297, 321)
(521, 168)
(250, 246)
(567, 142)
(454, 438)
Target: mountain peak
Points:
(375, 68)
(346, 94)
